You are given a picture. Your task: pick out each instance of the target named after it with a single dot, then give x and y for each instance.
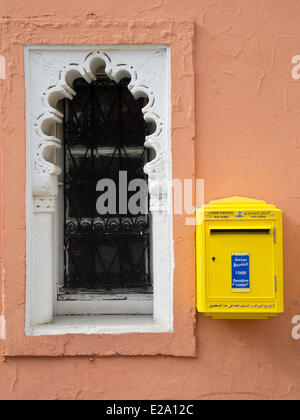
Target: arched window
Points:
(106, 249)
(98, 136)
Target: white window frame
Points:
(58, 66)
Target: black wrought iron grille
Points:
(104, 133)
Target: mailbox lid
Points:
(239, 208)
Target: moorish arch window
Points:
(99, 208)
(104, 135)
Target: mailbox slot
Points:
(240, 231)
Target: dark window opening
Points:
(104, 133)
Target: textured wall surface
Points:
(247, 143)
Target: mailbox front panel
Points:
(240, 256)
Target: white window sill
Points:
(108, 305)
(101, 324)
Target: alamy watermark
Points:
(132, 197)
(2, 328)
(296, 328)
(296, 318)
(2, 67)
(296, 68)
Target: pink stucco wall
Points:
(247, 143)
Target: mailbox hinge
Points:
(275, 284)
(275, 239)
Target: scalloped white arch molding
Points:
(45, 173)
(50, 73)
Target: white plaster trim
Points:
(45, 172)
(57, 67)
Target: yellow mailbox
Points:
(239, 259)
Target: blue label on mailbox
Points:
(240, 272)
